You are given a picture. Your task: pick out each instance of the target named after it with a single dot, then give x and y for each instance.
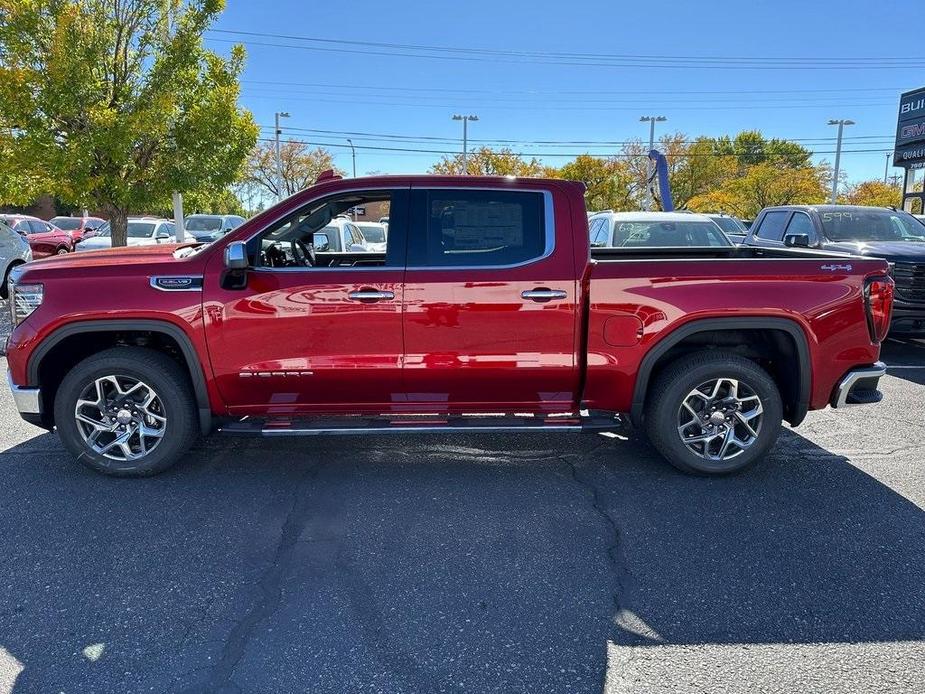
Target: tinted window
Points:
(801, 224)
(203, 223)
(140, 230)
(67, 223)
(600, 235)
(730, 225)
(482, 228)
(37, 227)
(772, 225)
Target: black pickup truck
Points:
(878, 232)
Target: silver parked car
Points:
(654, 230)
(142, 231)
(14, 250)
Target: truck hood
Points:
(889, 250)
(128, 255)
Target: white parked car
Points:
(376, 235)
(14, 250)
(142, 231)
(341, 235)
(654, 230)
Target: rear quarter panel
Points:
(646, 300)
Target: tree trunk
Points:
(118, 222)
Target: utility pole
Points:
(841, 123)
(353, 154)
(886, 167)
(465, 121)
(279, 161)
(651, 120)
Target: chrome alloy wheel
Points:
(120, 417)
(720, 419)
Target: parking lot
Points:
(530, 563)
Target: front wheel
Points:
(62, 251)
(126, 411)
(713, 413)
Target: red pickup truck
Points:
(487, 312)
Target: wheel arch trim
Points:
(793, 329)
(190, 355)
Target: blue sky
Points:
(720, 77)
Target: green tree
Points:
(118, 103)
(486, 161)
(609, 181)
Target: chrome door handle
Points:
(370, 295)
(544, 294)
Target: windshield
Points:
(67, 223)
(373, 233)
(730, 225)
(650, 234)
(203, 223)
(871, 225)
(136, 230)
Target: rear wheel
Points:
(126, 411)
(62, 251)
(713, 413)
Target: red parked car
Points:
(487, 312)
(44, 239)
(79, 228)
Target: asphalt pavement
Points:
(527, 563)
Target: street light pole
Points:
(279, 161)
(651, 120)
(841, 123)
(353, 154)
(465, 153)
(886, 167)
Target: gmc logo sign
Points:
(915, 130)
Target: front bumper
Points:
(859, 386)
(28, 400)
(908, 318)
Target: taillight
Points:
(878, 298)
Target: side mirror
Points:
(236, 256)
(162, 235)
(357, 248)
(796, 240)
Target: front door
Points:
(491, 316)
(311, 332)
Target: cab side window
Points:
(478, 228)
(772, 225)
(801, 224)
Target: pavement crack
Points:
(270, 584)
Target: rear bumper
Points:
(27, 400)
(859, 386)
(908, 318)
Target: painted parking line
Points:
(905, 366)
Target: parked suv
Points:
(210, 227)
(14, 250)
(44, 239)
(653, 230)
(876, 232)
(78, 228)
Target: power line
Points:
(490, 53)
(558, 92)
(544, 154)
(626, 63)
(451, 140)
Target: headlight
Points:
(24, 299)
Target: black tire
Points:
(5, 287)
(62, 251)
(674, 385)
(176, 402)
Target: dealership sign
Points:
(910, 130)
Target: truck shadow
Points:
(462, 563)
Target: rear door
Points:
(490, 311)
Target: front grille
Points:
(910, 281)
